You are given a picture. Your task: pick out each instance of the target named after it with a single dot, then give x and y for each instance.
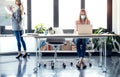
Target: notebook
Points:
(84, 29)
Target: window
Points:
(97, 12)
(24, 2)
(42, 12)
(118, 18)
(68, 13)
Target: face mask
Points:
(83, 17)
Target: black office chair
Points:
(55, 42)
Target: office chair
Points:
(55, 42)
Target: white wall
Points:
(116, 16)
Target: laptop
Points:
(84, 29)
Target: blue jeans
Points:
(80, 46)
(18, 34)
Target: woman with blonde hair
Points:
(18, 27)
(83, 19)
(81, 43)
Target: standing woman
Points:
(18, 27)
(81, 43)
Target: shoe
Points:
(18, 56)
(78, 67)
(84, 67)
(24, 56)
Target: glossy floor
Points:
(11, 67)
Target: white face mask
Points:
(83, 17)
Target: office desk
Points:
(101, 36)
(6, 35)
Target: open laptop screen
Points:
(84, 29)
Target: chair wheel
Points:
(35, 70)
(52, 65)
(28, 55)
(71, 63)
(45, 65)
(90, 64)
(64, 65)
(39, 65)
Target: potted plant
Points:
(116, 43)
(112, 42)
(40, 28)
(96, 41)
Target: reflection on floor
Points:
(11, 67)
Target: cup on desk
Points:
(46, 32)
(51, 32)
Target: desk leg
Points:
(39, 53)
(105, 68)
(100, 63)
(101, 51)
(37, 56)
(37, 49)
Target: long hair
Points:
(19, 2)
(20, 6)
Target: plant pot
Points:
(109, 48)
(108, 53)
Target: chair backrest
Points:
(68, 31)
(55, 40)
